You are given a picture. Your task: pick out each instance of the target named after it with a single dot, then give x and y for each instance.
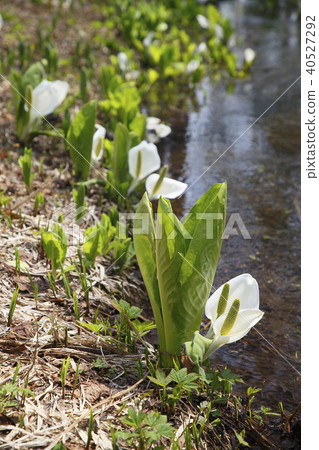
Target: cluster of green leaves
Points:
(130, 326)
(127, 329)
(148, 429)
(178, 264)
(184, 383)
(25, 162)
(64, 371)
(55, 245)
(105, 237)
(4, 200)
(10, 392)
(166, 36)
(171, 388)
(122, 105)
(219, 384)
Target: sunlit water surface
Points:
(262, 171)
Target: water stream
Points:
(261, 165)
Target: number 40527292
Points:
(310, 44)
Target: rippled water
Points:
(262, 171)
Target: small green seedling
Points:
(123, 250)
(91, 422)
(4, 200)
(77, 311)
(25, 162)
(76, 377)
(38, 201)
(17, 260)
(97, 239)
(79, 200)
(55, 246)
(84, 85)
(64, 371)
(13, 305)
(65, 282)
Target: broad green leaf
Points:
(33, 76)
(106, 235)
(170, 246)
(138, 125)
(61, 236)
(197, 347)
(144, 243)
(207, 230)
(122, 142)
(80, 138)
(91, 245)
(134, 419)
(200, 262)
(161, 378)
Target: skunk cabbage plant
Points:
(178, 261)
(34, 98)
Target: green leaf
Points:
(80, 138)
(161, 378)
(25, 162)
(241, 440)
(33, 76)
(197, 347)
(96, 328)
(199, 264)
(54, 244)
(122, 143)
(184, 379)
(170, 247)
(200, 226)
(144, 243)
(135, 418)
(138, 125)
(91, 245)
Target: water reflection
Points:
(262, 171)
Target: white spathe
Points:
(154, 125)
(1, 22)
(201, 48)
(162, 130)
(169, 188)
(123, 61)
(249, 55)
(203, 21)
(100, 132)
(149, 162)
(148, 39)
(192, 66)
(219, 32)
(245, 288)
(152, 122)
(46, 97)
